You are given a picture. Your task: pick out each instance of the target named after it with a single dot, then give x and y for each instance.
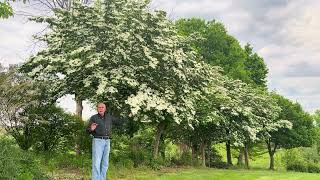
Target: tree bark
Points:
(79, 106)
(246, 155)
(160, 129)
(271, 152)
(193, 154)
(271, 162)
(203, 153)
(162, 147)
(79, 109)
(228, 148)
(240, 157)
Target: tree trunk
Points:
(203, 153)
(160, 129)
(79, 106)
(246, 155)
(228, 148)
(79, 109)
(193, 154)
(162, 147)
(240, 157)
(271, 161)
(271, 154)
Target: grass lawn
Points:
(259, 166)
(214, 174)
(191, 174)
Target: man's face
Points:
(101, 108)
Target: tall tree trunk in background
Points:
(228, 148)
(159, 132)
(79, 109)
(193, 154)
(240, 157)
(79, 106)
(162, 147)
(203, 153)
(246, 155)
(271, 152)
(271, 167)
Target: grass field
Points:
(195, 174)
(214, 174)
(59, 168)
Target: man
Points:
(100, 128)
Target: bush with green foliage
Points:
(185, 159)
(313, 168)
(299, 167)
(215, 159)
(56, 130)
(302, 160)
(18, 164)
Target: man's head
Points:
(101, 108)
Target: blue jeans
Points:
(100, 158)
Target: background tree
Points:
(255, 67)
(127, 56)
(301, 134)
(5, 10)
(66, 61)
(316, 118)
(215, 46)
(16, 95)
(54, 129)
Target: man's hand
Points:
(93, 126)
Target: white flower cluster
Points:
(147, 99)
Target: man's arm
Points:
(91, 126)
(119, 121)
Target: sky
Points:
(286, 33)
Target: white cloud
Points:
(187, 8)
(304, 30)
(16, 43)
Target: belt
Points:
(102, 137)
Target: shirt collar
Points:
(102, 116)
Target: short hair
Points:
(101, 103)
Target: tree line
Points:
(188, 79)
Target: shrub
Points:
(304, 167)
(16, 163)
(313, 168)
(184, 160)
(299, 167)
(57, 130)
(8, 159)
(214, 159)
(157, 164)
(302, 160)
(292, 156)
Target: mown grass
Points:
(217, 174)
(190, 174)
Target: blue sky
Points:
(284, 32)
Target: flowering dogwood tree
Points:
(122, 54)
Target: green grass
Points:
(189, 174)
(215, 174)
(258, 164)
(262, 161)
(69, 166)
